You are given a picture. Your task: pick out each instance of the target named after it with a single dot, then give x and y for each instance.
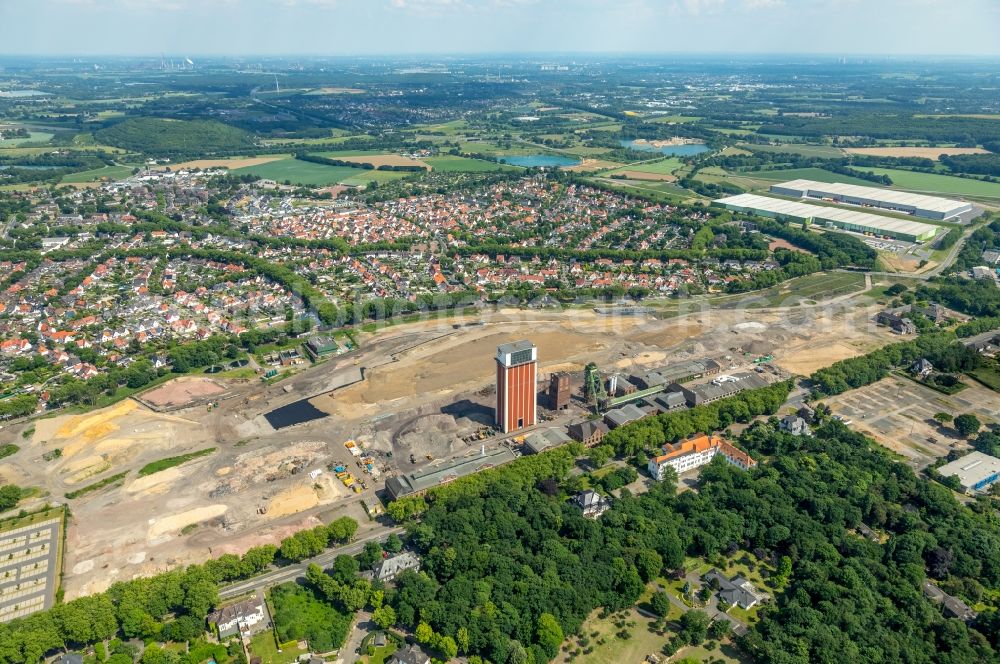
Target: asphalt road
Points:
(298, 570)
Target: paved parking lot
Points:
(28, 568)
(899, 414)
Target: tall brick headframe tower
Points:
(517, 370)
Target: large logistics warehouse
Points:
(928, 207)
(848, 220)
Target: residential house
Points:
(591, 503)
(246, 617)
(896, 322)
(388, 569)
(952, 606)
(794, 425)
(922, 368)
(736, 592)
(410, 655)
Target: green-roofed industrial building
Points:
(318, 347)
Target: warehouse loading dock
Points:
(830, 217)
(919, 205)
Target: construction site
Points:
(413, 400)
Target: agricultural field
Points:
(231, 163)
(34, 137)
(308, 173)
(110, 173)
(455, 164)
(662, 170)
(817, 174)
(926, 153)
(939, 184)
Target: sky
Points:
(190, 28)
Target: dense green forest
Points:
(170, 607)
(961, 130)
(163, 137)
(505, 553)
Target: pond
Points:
(539, 160)
(685, 150)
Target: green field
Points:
(112, 173)
(308, 173)
(662, 167)
(170, 462)
(33, 137)
(817, 174)
(97, 486)
(454, 164)
(813, 287)
(988, 376)
(939, 184)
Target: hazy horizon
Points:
(210, 28)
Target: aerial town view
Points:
(499, 332)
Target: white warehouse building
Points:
(919, 205)
(830, 217)
(975, 471)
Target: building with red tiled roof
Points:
(695, 452)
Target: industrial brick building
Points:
(517, 371)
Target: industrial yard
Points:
(414, 398)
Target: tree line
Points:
(171, 606)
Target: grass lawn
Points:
(939, 184)
(21, 521)
(723, 651)
(455, 164)
(109, 172)
(264, 646)
(380, 655)
(614, 649)
(817, 174)
(170, 462)
(988, 376)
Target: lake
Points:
(539, 160)
(673, 150)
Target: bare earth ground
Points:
(385, 160)
(928, 153)
(900, 263)
(183, 391)
(235, 162)
(899, 414)
(592, 165)
(428, 385)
